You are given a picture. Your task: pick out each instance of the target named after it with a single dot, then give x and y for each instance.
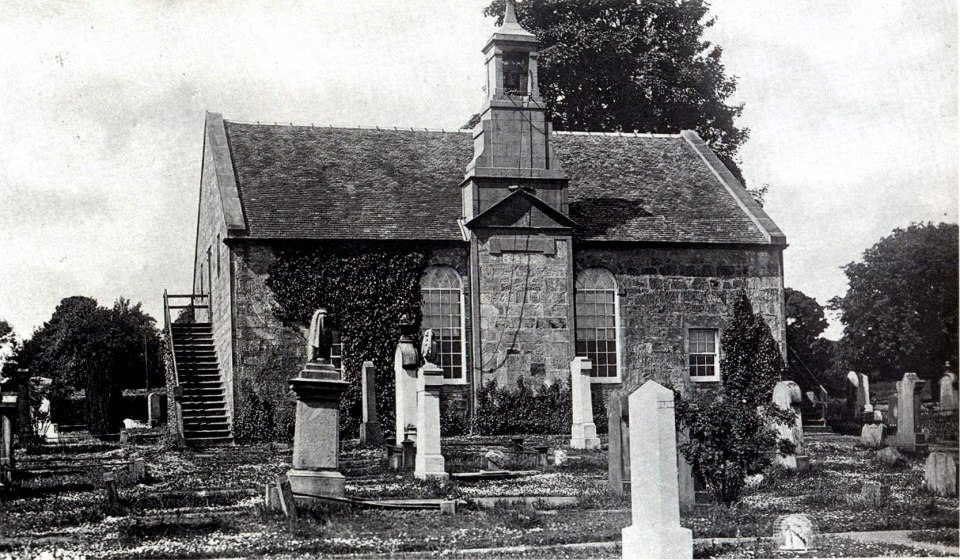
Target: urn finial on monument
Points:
(316, 439)
(319, 342)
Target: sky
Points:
(852, 107)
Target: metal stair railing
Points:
(811, 378)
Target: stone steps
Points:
(205, 419)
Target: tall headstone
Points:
(863, 395)
(429, 462)
(908, 412)
(370, 433)
(655, 531)
(949, 398)
(787, 396)
(316, 439)
(25, 419)
(583, 432)
(8, 411)
(618, 452)
(405, 364)
(153, 409)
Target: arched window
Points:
(442, 295)
(597, 322)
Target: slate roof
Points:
(338, 183)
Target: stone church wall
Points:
(212, 261)
(664, 292)
(525, 313)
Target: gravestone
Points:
(853, 390)
(583, 432)
(941, 474)
(889, 456)
(405, 365)
(429, 462)
(370, 433)
(908, 413)
(316, 439)
(871, 435)
(655, 530)
(25, 417)
(795, 532)
(863, 395)
(618, 451)
(948, 392)
(9, 409)
(787, 396)
(153, 409)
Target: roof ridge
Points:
(629, 134)
(357, 127)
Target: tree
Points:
(900, 311)
(626, 65)
(730, 430)
(96, 349)
(809, 356)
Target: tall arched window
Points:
(442, 295)
(597, 322)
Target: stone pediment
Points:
(521, 210)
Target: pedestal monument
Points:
(316, 440)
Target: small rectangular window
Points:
(702, 357)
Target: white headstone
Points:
(908, 411)
(863, 394)
(948, 392)
(795, 532)
(655, 531)
(405, 370)
(787, 396)
(941, 474)
(429, 462)
(583, 432)
(871, 435)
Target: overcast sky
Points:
(852, 107)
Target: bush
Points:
(454, 416)
(939, 427)
(501, 411)
(730, 430)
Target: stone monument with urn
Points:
(316, 440)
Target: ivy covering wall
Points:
(366, 289)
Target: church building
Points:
(626, 248)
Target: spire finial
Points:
(510, 14)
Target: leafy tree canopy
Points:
(900, 311)
(809, 356)
(625, 65)
(96, 349)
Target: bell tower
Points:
(515, 217)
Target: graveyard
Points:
(562, 495)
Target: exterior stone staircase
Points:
(205, 419)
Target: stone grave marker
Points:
(863, 394)
(871, 435)
(316, 438)
(583, 432)
(618, 452)
(370, 433)
(795, 532)
(941, 474)
(405, 365)
(787, 396)
(9, 409)
(908, 413)
(153, 409)
(949, 399)
(655, 530)
(429, 462)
